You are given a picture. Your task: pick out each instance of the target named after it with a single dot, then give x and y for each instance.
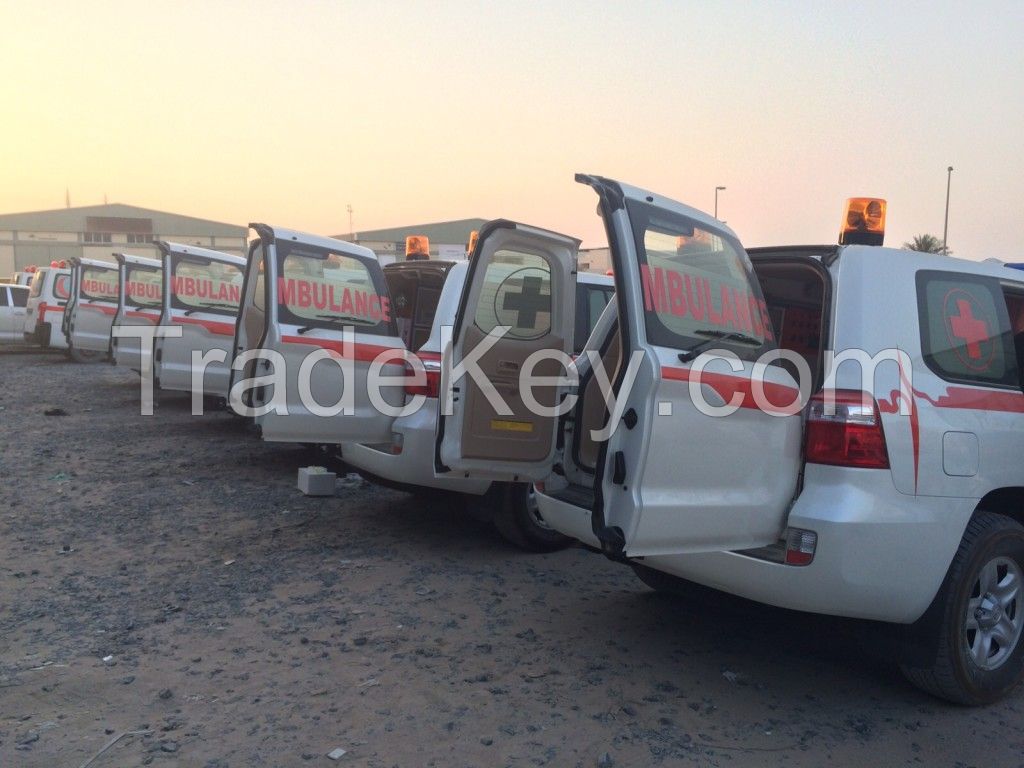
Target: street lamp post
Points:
(717, 190)
(945, 225)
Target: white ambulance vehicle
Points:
(13, 301)
(201, 293)
(902, 504)
(139, 298)
(48, 295)
(91, 309)
(319, 285)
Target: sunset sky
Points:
(417, 112)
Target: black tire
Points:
(517, 520)
(949, 670)
(84, 356)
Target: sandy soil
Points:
(249, 625)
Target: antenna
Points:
(351, 229)
(67, 197)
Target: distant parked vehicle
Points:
(90, 309)
(201, 292)
(13, 303)
(139, 299)
(48, 294)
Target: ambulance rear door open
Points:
(202, 290)
(518, 301)
(95, 303)
(671, 478)
(315, 316)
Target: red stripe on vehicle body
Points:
(214, 327)
(779, 396)
(144, 315)
(363, 353)
(101, 307)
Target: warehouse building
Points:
(448, 241)
(96, 231)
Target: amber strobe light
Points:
(863, 222)
(417, 247)
(471, 245)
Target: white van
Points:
(90, 310)
(24, 277)
(48, 295)
(903, 504)
(311, 278)
(13, 303)
(139, 299)
(201, 293)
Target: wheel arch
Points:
(1008, 502)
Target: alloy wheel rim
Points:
(995, 619)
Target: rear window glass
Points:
(516, 292)
(205, 285)
(99, 284)
(143, 286)
(62, 287)
(697, 284)
(317, 288)
(20, 297)
(965, 329)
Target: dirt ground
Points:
(163, 574)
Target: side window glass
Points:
(3, 296)
(516, 293)
(20, 298)
(99, 284)
(37, 284)
(965, 329)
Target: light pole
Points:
(717, 190)
(945, 225)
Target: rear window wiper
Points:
(334, 320)
(715, 336)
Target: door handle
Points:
(508, 366)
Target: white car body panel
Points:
(13, 308)
(94, 305)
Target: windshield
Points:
(205, 285)
(697, 285)
(99, 284)
(317, 288)
(142, 287)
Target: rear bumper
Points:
(881, 554)
(414, 466)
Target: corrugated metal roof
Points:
(449, 232)
(73, 220)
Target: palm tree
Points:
(927, 244)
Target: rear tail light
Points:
(430, 385)
(397, 443)
(845, 430)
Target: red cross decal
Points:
(970, 329)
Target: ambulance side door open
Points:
(672, 479)
(522, 279)
(322, 305)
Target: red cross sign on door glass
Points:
(969, 329)
(970, 332)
